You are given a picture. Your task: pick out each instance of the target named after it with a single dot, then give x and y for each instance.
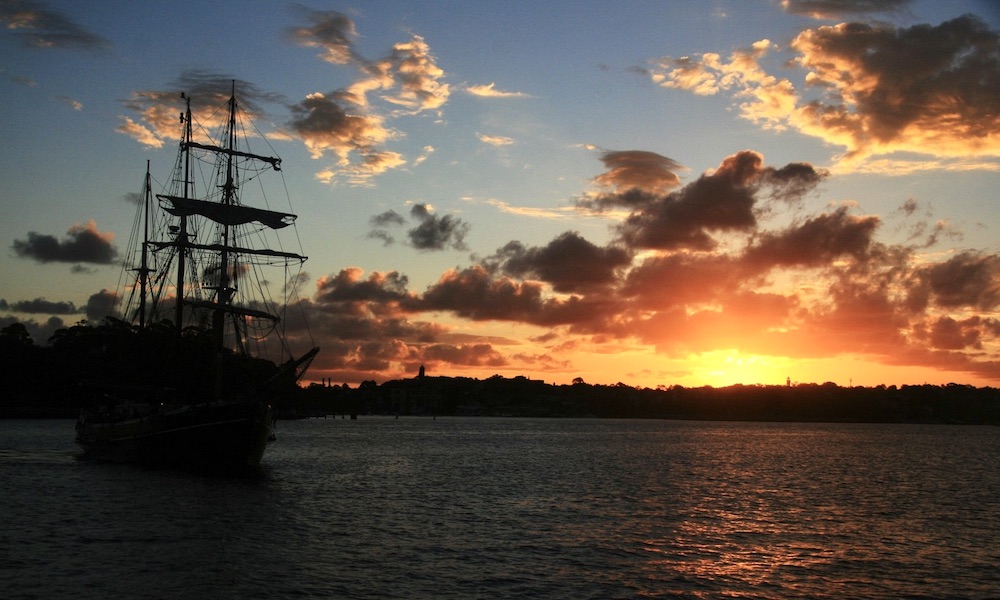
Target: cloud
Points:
(818, 241)
(720, 201)
(490, 91)
(533, 212)
(40, 306)
(569, 263)
(325, 126)
(39, 27)
(74, 104)
(437, 232)
(419, 77)
(967, 280)
(139, 133)
(157, 110)
(834, 9)
(345, 122)
(925, 89)
(389, 217)
(25, 81)
(82, 244)
(342, 123)
(432, 232)
(39, 332)
(495, 140)
(331, 31)
(475, 294)
(872, 89)
(100, 305)
(646, 171)
(348, 286)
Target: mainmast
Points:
(182, 235)
(224, 292)
(144, 269)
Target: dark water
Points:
(509, 508)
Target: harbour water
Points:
(516, 508)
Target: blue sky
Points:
(519, 130)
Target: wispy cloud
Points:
(74, 104)
(495, 140)
(836, 9)
(490, 91)
(37, 26)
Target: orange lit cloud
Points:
(82, 244)
(872, 89)
(343, 123)
(490, 91)
(667, 283)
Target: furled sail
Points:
(226, 214)
(235, 249)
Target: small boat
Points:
(198, 334)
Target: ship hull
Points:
(218, 437)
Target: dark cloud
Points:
(39, 27)
(969, 279)
(719, 201)
(792, 181)
(432, 232)
(39, 332)
(389, 217)
(82, 244)
(833, 9)
(475, 294)
(380, 234)
(935, 88)
(101, 305)
(329, 30)
(435, 232)
(948, 334)
(348, 286)
(815, 243)
(631, 199)
(569, 263)
(469, 355)
(40, 306)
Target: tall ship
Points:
(203, 351)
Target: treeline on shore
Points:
(51, 381)
(519, 396)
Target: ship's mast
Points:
(182, 236)
(144, 263)
(225, 291)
